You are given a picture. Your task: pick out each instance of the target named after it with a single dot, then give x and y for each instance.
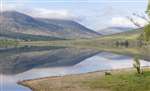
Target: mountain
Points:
(72, 28)
(114, 30)
(16, 24)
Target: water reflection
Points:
(14, 61)
(34, 62)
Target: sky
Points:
(94, 14)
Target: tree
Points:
(148, 8)
(146, 34)
(137, 65)
(147, 27)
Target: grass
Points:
(122, 82)
(8, 43)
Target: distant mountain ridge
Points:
(114, 30)
(16, 22)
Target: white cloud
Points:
(13, 5)
(48, 13)
(121, 21)
(20, 5)
(124, 22)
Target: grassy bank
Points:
(120, 80)
(8, 43)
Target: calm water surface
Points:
(18, 64)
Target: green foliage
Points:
(147, 27)
(148, 8)
(137, 65)
(7, 43)
(147, 32)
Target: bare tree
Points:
(145, 17)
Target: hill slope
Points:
(15, 22)
(114, 30)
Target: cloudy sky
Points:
(94, 14)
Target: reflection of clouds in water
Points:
(113, 56)
(145, 63)
(9, 84)
(103, 61)
(9, 81)
(91, 64)
(43, 72)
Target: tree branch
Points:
(134, 22)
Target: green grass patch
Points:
(122, 82)
(7, 43)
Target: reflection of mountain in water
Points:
(18, 60)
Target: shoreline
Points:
(77, 77)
